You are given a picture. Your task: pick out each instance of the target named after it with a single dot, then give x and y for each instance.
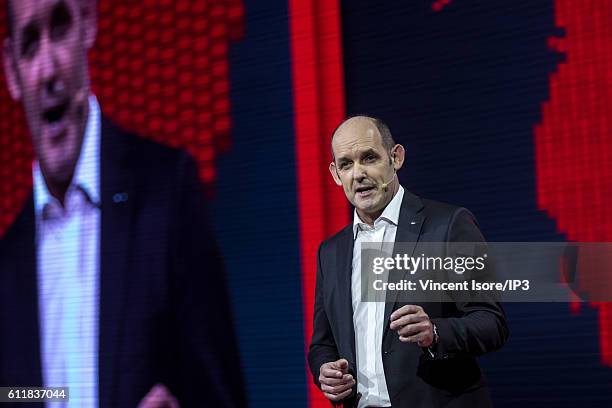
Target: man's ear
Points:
(334, 173)
(398, 154)
(89, 14)
(9, 70)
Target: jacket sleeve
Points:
(323, 346)
(480, 325)
(206, 355)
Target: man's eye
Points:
(344, 166)
(60, 21)
(370, 158)
(29, 46)
(58, 32)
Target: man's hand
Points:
(159, 397)
(412, 325)
(336, 382)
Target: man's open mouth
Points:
(55, 113)
(54, 124)
(364, 190)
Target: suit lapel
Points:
(408, 230)
(26, 296)
(344, 257)
(118, 207)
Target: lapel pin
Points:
(120, 197)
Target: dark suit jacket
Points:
(452, 377)
(164, 310)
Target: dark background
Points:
(462, 90)
(462, 86)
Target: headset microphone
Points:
(385, 186)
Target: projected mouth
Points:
(55, 113)
(54, 118)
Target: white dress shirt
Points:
(368, 316)
(68, 262)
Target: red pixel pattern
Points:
(160, 68)
(318, 97)
(438, 5)
(573, 143)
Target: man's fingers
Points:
(334, 369)
(346, 378)
(338, 397)
(412, 325)
(410, 339)
(342, 365)
(328, 371)
(337, 389)
(415, 328)
(423, 339)
(159, 397)
(150, 400)
(404, 310)
(407, 319)
(336, 383)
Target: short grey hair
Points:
(385, 133)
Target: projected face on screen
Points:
(45, 61)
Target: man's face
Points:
(362, 165)
(46, 68)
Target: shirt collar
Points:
(87, 171)
(389, 214)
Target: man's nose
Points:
(48, 68)
(359, 172)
